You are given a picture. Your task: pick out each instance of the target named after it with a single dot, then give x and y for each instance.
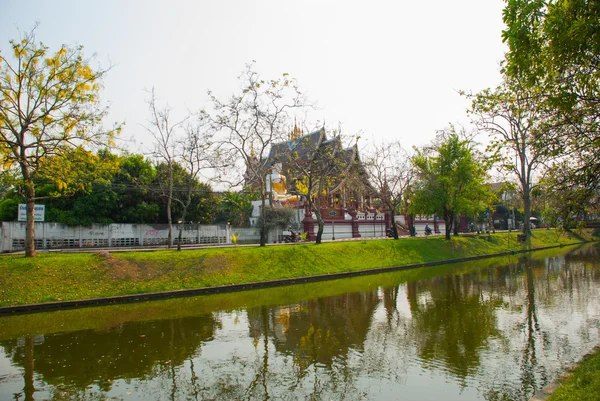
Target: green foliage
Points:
(450, 181)
(203, 206)
(553, 51)
(119, 189)
(9, 206)
(567, 207)
(116, 193)
(236, 208)
(276, 217)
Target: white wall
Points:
(57, 236)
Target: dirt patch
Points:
(216, 264)
(120, 269)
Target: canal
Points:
(494, 329)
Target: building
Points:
(347, 200)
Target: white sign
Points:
(39, 212)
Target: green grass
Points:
(584, 382)
(73, 276)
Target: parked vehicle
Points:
(292, 237)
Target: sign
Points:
(39, 212)
(332, 213)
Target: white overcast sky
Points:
(390, 69)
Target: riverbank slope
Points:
(55, 277)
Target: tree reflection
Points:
(451, 322)
(318, 335)
(73, 361)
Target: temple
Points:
(347, 203)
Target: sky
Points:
(389, 70)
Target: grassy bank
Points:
(583, 384)
(64, 276)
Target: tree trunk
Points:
(320, 221)
(449, 219)
(394, 228)
(169, 202)
(321, 225)
(169, 222)
(526, 211)
(263, 231)
(183, 216)
(179, 237)
(455, 221)
(30, 225)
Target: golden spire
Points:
(296, 132)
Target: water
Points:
(497, 329)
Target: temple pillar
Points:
(355, 232)
(309, 227)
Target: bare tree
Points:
(391, 174)
(248, 123)
(195, 156)
(165, 133)
(320, 166)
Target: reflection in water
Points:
(484, 330)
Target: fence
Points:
(59, 236)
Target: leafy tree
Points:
(117, 193)
(274, 217)
(48, 105)
(248, 124)
(568, 207)
(202, 206)
(391, 174)
(132, 181)
(514, 117)
(236, 208)
(9, 206)
(554, 49)
(450, 180)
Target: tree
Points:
(116, 191)
(391, 174)
(554, 49)
(132, 183)
(164, 131)
(48, 105)
(513, 116)
(194, 157)
(203, 203)
(319, 166)
(249, 123)
(236, 208)
(450, 180)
